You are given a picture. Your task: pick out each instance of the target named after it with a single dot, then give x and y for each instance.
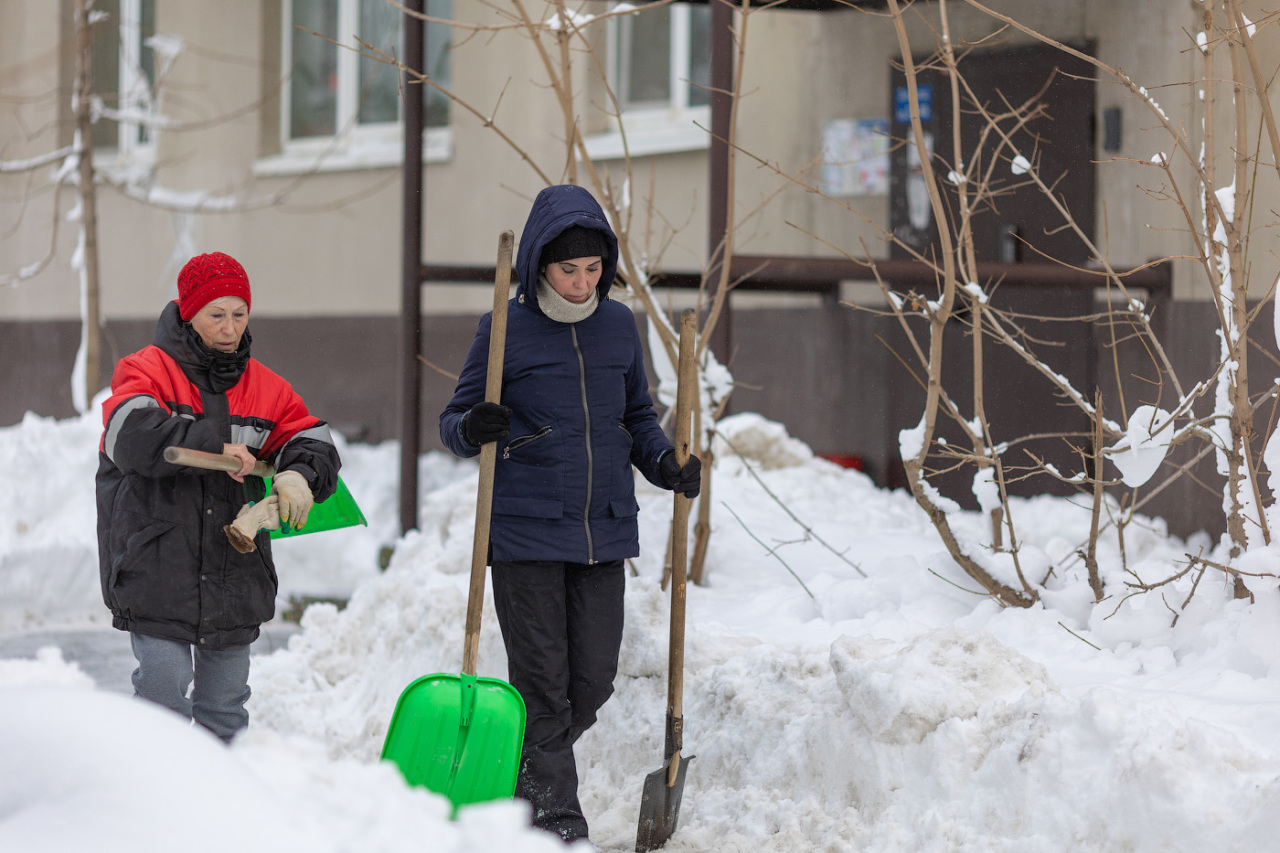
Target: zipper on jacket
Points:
(517, 443)
(626, 431)
(586, 413)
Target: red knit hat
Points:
(209, 277)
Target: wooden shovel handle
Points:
(686, 387)
(488, 454)
(213, 461)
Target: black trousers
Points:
(562, 626)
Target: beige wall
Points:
(840, 62)
(30, 44)
(331, 246)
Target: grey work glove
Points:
(295, 498)
(264, 515)
(686, 480)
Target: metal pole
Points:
(89, 208)
(410, 270)
(791, 273)
(718, 163)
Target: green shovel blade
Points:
(340, 510)
(458, 735)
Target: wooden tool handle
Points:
(213, 461)
(488, 454)
(686, 387)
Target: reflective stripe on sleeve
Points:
(250, 436)
(319, 432)
(118, 417)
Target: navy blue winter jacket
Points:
(581, 411)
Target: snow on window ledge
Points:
(126, 167)
(665, 132)
(329, 155)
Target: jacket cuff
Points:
(662, 480)
(307, 472)
(462, 433)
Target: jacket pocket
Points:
(142, 548)
(150, 575)
(618, 447)
(524, 440)
(624, 507)
(248, 590)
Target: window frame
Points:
(355, 145)
(671, 126)
(129, 152)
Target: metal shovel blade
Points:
(660, 806)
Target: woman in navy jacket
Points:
(575, 416)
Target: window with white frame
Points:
(344, 109)
(659, 68)
(123, 66)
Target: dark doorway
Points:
(1018, 226)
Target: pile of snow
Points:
(93, 770)
(845, 686)
(760, 441)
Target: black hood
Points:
(209, 369)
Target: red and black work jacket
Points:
(167, 568)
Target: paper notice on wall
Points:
(855, 156)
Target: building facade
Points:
(271, 130)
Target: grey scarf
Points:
(560, 309)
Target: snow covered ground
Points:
(828, 710)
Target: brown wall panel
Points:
(827, 373)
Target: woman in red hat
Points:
(191, 602)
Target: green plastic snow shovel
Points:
(461, 735)
(338, 511)
(664, 787)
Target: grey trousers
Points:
(166, 669)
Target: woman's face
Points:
(575, 278)
(220, 323)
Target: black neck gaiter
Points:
(225, 368)
(210, 369)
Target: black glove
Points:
(486, 422)
(687, 480)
